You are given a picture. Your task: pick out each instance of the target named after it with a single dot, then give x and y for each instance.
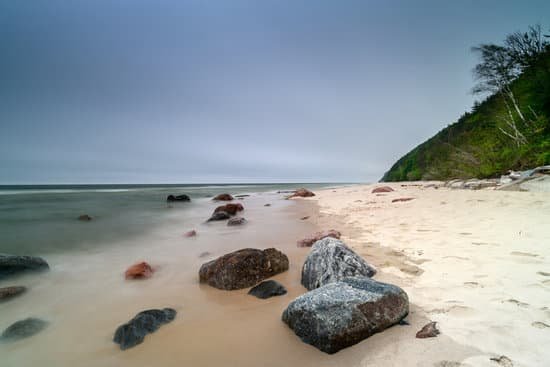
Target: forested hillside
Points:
(509, 130)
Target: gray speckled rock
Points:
(23, 329)
(267, 289)
(330, 260)
(133, 332)
(12, 264)
(341, 314)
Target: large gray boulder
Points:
(341, 314)
(13, 264)
(330, 260)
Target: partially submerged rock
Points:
(191, 233)
(133, 332)
(140, 270)
(330, 260)
(219, 216)
(308, 241)
(14, 264)
(237, 221)
(381, 189)
(267, 289)
(23, 329)
(7, 293)
(428, 331)
(231, 208)
(302, 193)
(223, 197)
(243, 268)
(84, 218)
(341, 314)
(178, 198)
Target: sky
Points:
(174, 91)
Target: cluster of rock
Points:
(226, 211)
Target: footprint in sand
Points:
(472, 284)
(546, 282)
(540, 325)
(543, 273)
(456, 257)
(517, 303)
(519, 253)
(465, 233)
(503, 361)
(448, 364)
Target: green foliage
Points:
(475, 147)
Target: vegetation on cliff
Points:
(508, 130)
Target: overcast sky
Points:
(234, 91)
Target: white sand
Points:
(477, 262)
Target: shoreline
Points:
(470, 260)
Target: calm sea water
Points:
(38, 220)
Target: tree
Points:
(500, 65)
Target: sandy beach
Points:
(477, 262)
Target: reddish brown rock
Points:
(428, 331)
(382, 189)
(140, 270)
(223, 197)
(191, 233)
(10, 292)
(401, 199)
(243, 268)
(231, 208)
(309, 241)
(303, 193)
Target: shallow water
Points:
(84, 296)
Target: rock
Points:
(302, 193)
(231, 208)
(13, 264)
(267, 289)
(219, 216)
(308, 241)
(428, 331)
(140, 270)
(380, 189)
(146, 322)
(23, 329)
(237, 221)
(7, 293)
(401, 199)
(243, 268)
(223, 197)
(503, 361)
(178, 198)
(242, 196)
(341, 314)
(204, 254)
(330, 260)
(191, 233)
(267, 204)
(305, 218)
(480, 184)
(84, 218)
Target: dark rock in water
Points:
(12, 264)
(305, 218)
(242, 196)
(219, 216)
(238, 221)
(267, 204)
(23, 329)
(133, 332)
(231, 208)
(330, 260)
(267, 289)
(204, 254)
(223, 197)
(428, 331)
(382, 189)
(341, 314)
(178, 198)
(10, 292)
(243, 268)
(404, 323)
(302, 193)
(85, 218)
